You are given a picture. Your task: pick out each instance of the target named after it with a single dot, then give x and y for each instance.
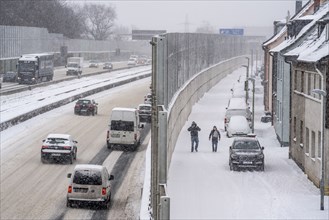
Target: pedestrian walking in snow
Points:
(215, 137)
(194, 129)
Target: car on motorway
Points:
(59, 147)
(246, 152)
(132, 62)
(93, 64)
(148, 98)
(108, 65)
(238, 126)
(89, 183)
(9, 76)
(86, 106)
(145, 112)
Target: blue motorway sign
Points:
(231, 31)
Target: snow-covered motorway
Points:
(32, 190)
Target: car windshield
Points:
(84, 102)
(87, 177)
(144, 108)
(246, 144)
(122, 125)
(10, 74)
(26, 67)
(56, 140)
(72, 65)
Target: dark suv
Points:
(246, 152)
(85, 106)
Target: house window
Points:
(295, 80)
(301, 133)
(307, 141)
(313, 145)
(319, 144)
(314, 85)
(309, 85)
(302, 81)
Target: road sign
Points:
(145, 34)
(231, 31)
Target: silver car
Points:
(89, 183)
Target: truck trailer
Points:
(35, 68)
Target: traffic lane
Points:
(30, 189)
(61, 72)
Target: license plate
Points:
(247, 162)
(82, 190)
(115, 135)
(56, 155)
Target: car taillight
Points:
(225, 120)
(77, 105)
(69, 189)
(44, 147)
(103, 191)
(67, 147)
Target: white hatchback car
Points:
(238, 126)
(89, 183)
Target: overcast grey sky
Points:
(171, 15)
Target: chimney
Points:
(299, 6)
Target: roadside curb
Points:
(43, 109)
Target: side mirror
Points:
(75, 142)
(230, 147)
(69, 175)
(43, 140)
(226, 108)
(262, 148)
(111, 177)
(141, 126)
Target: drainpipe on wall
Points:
(272, 55)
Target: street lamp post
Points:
(253, 103)
(323, 103)
(246, 85)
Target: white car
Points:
(238, 126)
(132, 62)
(145, 112)
(59, 147)
(89, 183)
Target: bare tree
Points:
(99, 20)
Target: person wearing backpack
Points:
(194, 129)
(215, 137)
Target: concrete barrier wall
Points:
(194, 89)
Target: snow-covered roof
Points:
(316, 17)
(124, 109)
(284, 29)
(64, 136)
(33, 57)
(88, 167)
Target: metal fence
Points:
(184, 67)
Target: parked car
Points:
(237, 106)
(246, 152)
(9, 76)
(238, 126)
(93, 64)
(89, 183)
(59, 147)
(86, 106)
(108, 66)
(145, 112)
(132, 62)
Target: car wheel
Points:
(109, 145)
(43, 160)
(68, 203)
(93, 112)
(235, 167)
(231, 167)
(71, 159)
(262, 167)
(75, 155)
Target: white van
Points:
(89, 183)
(124, 128)
(237, 106)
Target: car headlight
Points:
(260, 156)
(234, 156)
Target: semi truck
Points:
(35, 68)
(74, 65)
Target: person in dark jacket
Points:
(194, 129)
(215, 137)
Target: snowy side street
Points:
(201, 185)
